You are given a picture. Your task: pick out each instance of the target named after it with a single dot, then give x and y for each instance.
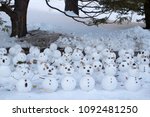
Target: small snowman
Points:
(122, 74)
(87, 82)
(68, 82)
(5, 71)
(133, 83)
(14, 50)
(50, 82)
(98, 73)
(109, 82)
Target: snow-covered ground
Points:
(113, 35)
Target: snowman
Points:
(42, 58)
(87, 82)
(133, 83)
(122, 74)
(98, 73)
(142, 54)
(109, 82)
(5, 71)
(50, 82)
(68, 82)
(32, 57)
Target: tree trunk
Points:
(147, 13)
(72, 5)
(19, 19)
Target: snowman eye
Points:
(83, 67)
(77, 66)
(95, 66)
(90, 67)
(52, 69)
(142, 52)
(65, 67)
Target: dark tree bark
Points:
(72, 5)
(19, 19)
(147, 13)
(18, 16)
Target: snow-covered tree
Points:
(17, 11)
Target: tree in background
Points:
(17, 11)
(72, 5)
(95, 12)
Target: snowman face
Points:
(87, 50)
(51, 70)
(87, 70)
(124, 66)
(67, 69)
(76, 66)
(109, 60)
(3, 51)
(97, 66)
(144, 53)
(57, 54)
(110, 69)
(76, 56)
(4, 60)
(84, 60)
(66, 57)
(24, 72)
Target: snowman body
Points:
(24, 85)
(109, 83)
(133, 84)
(87, 83)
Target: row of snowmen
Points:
(83, 68)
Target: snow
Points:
(116, 36)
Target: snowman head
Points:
(42, 57)
(77, 55)
(110, 69)
(4, 60)
(97, 66)
(66, 57)
(57, 54)
(20, 58)
(68, 50)
(124, 66)
(108, 61)
(87, 69)
(51, 70)
(24, 72)
(43, 68)
(85, 60)
(34, 51)
(67, 69)
(143, 53)
(15, 50)
(76, 65)
(87, 50)
(53, 46)
(3, 51)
